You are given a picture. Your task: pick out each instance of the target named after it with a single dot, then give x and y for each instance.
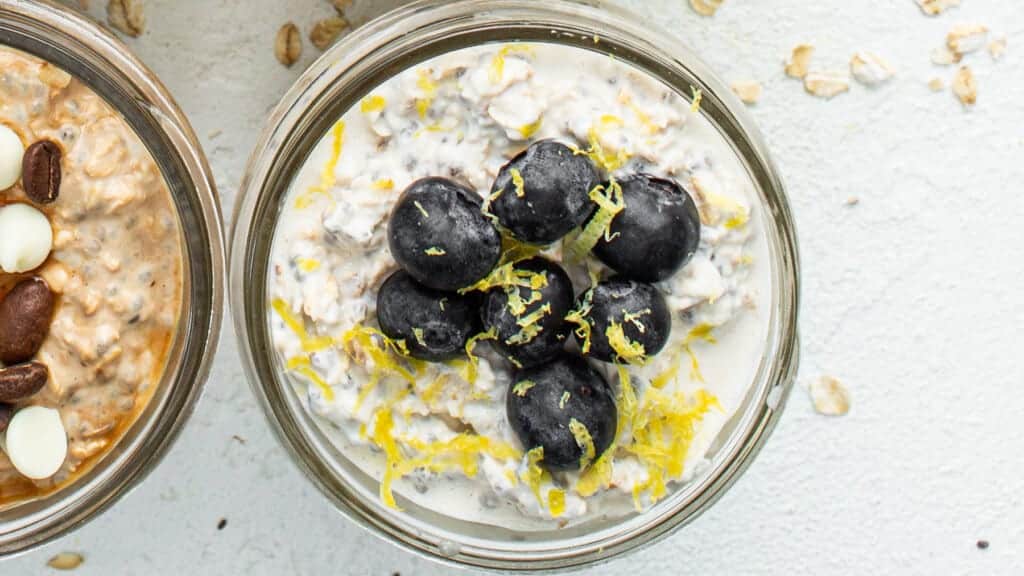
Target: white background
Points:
(913, 298)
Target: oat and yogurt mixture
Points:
(522, 285)
(90, 277)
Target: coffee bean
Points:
(40, 173)
(21, 381)
(6, 411)
(25, 315)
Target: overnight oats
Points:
(522, 284)
(90, 277)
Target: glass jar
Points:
(82, 48)
(344, 75)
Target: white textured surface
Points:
(912, 298)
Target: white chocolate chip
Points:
(36, 442)
(26, 238)
(12, 151)
(870, 69)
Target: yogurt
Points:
(437, 435)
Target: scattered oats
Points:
(288, 44)
(341, 5)
(936, 84)
(54, 77)
(935, 7)
(870, 69)
(326, 31)
(943, 56)
(830, 397)
(749, 91)
(126, 16)
(965, 86)
(799, 60)
(66, 561)
(706, 7)
(965, 38)
(826, 84)
(997, 48)
(852, 201)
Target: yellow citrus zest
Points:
(698, 97)
(627, 350)
(327, 177)
(609, 204)
(528, 130)
(308, 264)
(428, 87)
(383, 184)
(497, 70)
(517, 181)
(302, 365)
(372, 103)
(309, 343)
(556, 502)
(522, 387)
(584, 441)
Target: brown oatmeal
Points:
(116, 266)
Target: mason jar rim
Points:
(397, 41)
(78, 45)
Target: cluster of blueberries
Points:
(446, 240)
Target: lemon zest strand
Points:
(518, 182)
(302, 365)
(372, 103)
(609, 204)
(626, 349)
(327, 177)
(309, 343)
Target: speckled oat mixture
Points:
(437, 434)
(116, 266)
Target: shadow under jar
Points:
(136, 268)
(424, 77)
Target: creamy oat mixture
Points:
(115, 268)
(437, 434)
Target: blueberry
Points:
(545, 192)
(657, 232)
(530, 323)
(629, 321)
(544, 401)
(435, 325)
(438, 233)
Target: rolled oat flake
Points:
(40, 172)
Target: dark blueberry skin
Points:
(438, 233)
(445, 321)
(539, 417)
(557, 185)
(612, 301)
(657, 232)
(495, 313)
